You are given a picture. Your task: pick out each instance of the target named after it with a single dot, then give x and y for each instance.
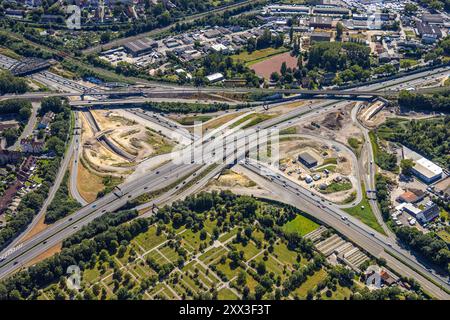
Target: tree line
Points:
(25, 284)
(21, 110)
(32, 202)
(11, 84)
(429, 137)
(439, 102)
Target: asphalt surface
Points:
(111, 202)
(359, 233)
(54, 188)
(368, 171)
(73, 188)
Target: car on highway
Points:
(94, 206)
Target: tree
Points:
(339, 30)
(105, 37)
(275, 77)
(406, 165)
(261, 267)
(242, 278)
(410, 8)
(259, 291)
(283, 69)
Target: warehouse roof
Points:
(139, 45)
(306, 157)
(427, 168)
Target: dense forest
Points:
(429, 245)
(62, 204)
(11, 84)
(337, 56)
(424, 102)
(20, 107)
(431, 138)
(182, 107)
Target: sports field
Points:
(265, 68)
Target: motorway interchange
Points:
(170, 174)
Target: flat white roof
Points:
(214, 76)
(409, 207)
(435, 169)
(219, 47)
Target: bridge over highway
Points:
(176, 91)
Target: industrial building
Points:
(286, 9)
(428, 214)
(215, 77)
(433, 18)
(427, 171)
(320, 22)
(140, 47)
(307, 159)
(429, 33)
(320, 36)
(412, 196)
(331, 11)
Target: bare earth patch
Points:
(38, 228)
(265, 68)
(47, 254)
(88, 184)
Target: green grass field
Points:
(187, 121)
(336, 187)
(256, 56)
(444, 235)
(356, 145)
(253, 119)
(301, 225)
(310, 283)
(365, 214)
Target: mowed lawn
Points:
(363, 212)
(310, 283)
(256, 56)
(301, 225)
(444, 235)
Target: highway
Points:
(48, 78)
(374, 90)
(64, 165)
(365, 237)
(164, 176)
(368, 171)
(168, 173)
(76, 158)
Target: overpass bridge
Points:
(185, 92)
(29, 66)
